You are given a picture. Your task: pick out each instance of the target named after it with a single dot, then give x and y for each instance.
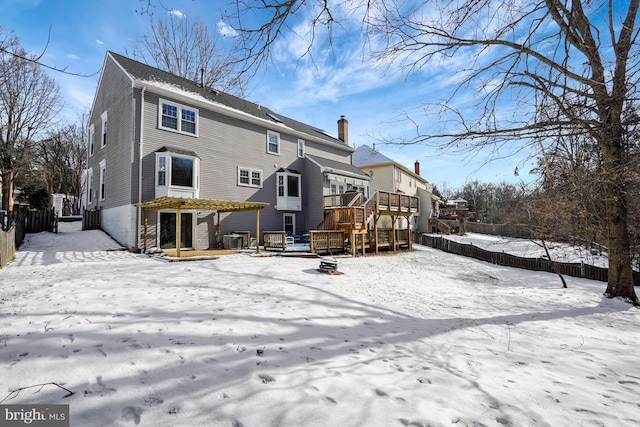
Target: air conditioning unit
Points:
(232, 241)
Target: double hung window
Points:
(178, 118)
(249, 177)
(273, 142)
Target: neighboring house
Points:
(388, 175)
(153, 136)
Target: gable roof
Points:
(334, 166)
(366, 156)
(146, 75)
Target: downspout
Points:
(138, 225)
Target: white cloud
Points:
(72, 56)
(100, 42)
(177, 13)
(226, 30)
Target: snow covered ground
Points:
(420, 338)
(561, 252)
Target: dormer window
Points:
(177, 118)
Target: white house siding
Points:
(385, 178)
(119, 223)
(426, 210)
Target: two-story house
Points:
(154, 136)
(388, 175)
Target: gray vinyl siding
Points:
(314, 203)
(115, 97)
(223, 144)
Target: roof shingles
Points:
(142, 72)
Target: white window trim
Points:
(286, 202)
(103, 134)
(168, 172)
(269, 133)
(301, 148)
(179, 107)
(103, 184)
(92, 139)
(286, 184)
(89, 186)
(251, 171)
(293, 221)
(167, 166)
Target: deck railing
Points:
(274, 240)
(326, 241)
(343, 199)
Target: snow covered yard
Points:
(561, 252)
(421, 338)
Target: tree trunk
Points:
(620, 282)
(6, 189)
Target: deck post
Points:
(144, 233)
(375, 231)
(218, 236)
(178, 232)
(353, 242)
(393, 232)
(257, 231)
(408, 217)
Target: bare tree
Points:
(187, 49)
(62, 161)
(577, 58)
(29, 102)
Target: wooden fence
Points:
(520, 231)
(582, 270)
(7, 245)
(16, 224)
(92, 220)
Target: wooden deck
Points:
(352, 224)
(188, 253)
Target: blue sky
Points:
(338, 83)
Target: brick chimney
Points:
(416, 167)
(343, 130)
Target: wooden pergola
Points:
(220, 206)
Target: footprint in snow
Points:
(100, 352)
(266, 379)
(132, 413)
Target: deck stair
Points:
(440, 225)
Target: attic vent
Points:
(214, 91)
(274, 118)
